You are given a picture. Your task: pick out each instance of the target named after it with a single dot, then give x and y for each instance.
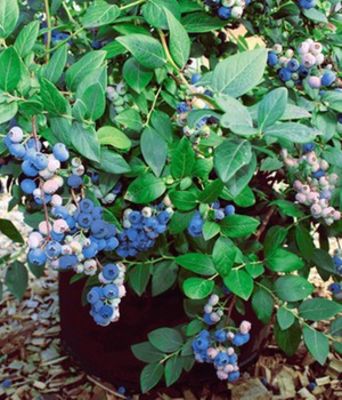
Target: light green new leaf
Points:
(100, 13)
(10, 69)
(198, 288)
(147, 50)
(108, 135)
(272, 107)
(239, 73)
(26, 38)
(154, 12)
(196, 262)
(292, 132)
(179, 41)
(9, 15)
(8, 111)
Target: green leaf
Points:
(224, 253)
(239, 73)
(285, 318)
(272, 107)
(179, 41)
(293, 288)
(235, 112)
(16, 279)
(211, 192)
(315, 15)
(85, 142)
(294, 112)
(288, 340)
(274, 238)
(154, 12)
(281, 260)
(136, 76)
(304, 242)
(323, 260)
(318, 309)
(150, 376)
(210, 229)
(288, 208)
(194, 327)
(150, 141)
(173, 370)
(8, 228)
(100, 13)
(139, 277)
(112, 162)
(201, 22)
(235, 226)
(8, 111)
(183, 159)
(9, 67)
(183, 201)
(55, 67)
(130, 119)
(263, 303)
(241, 179)
(54, 102)
(292, 132)
(317, 344)
(9, 15)
(197, 288)
(147, 50)
(166, 339)
(162, 124)
(196, 262)
(144, 189)
(146, 352)
(108, 135)
(89, 63)
(26, 38)
(230, 156)
(95, 101)
(164, 277)
(239, 283)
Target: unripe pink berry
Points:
(230, 335)
(315, 167)
(16, 134)
(308, 60)
(66, 250)
(44, 228)
(222, 375)
(76, 246)
(304, 48)
(53, 164)
(301, 198)
(212, 352)
(312, 197)
(46, 174)
(337, 215)
(328, 212)
(311, 157)
(213, 299)
(214, 317)
(228, 368)
(122, 291)
(316, 210)
(35, 240)
(297, 185)
(208, 308)
(245, 326)
(314, 82)
(316, 48)
(50, 186)
(56, 200)
(333, 178)
(230, 351)
(320, 59)
(60, 226)
(324, 165)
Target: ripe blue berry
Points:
(60, 152)
(28, 186)
(37, 257)
(74, 181)
(110, 272)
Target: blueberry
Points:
(29, 169)
(6, 383)
(53, 249)
(318, 174)
(219, 214)
(221, 359)
(224, 12)
(196, 225)
(233, 376)
(85, 220)
(229, 210)
(106, 311)
(74, 181)
(272, 58)
(94, 295)
(37, 257)
(220, 335)
(307, 147)
(17, 150)
(195, 78)
(90, 251)
(99, 228)
(200, 343)
(240, 339)
(110, 272)
(60, 152)
(135, 217)
(182, 107)
(293, 65)
(28, 186)
(111, 291)
(328, 78)
(284, 74)
(40, 161)
(57, 236)
(67, 261)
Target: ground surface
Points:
(32, 358)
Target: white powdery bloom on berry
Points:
(50, 186)
(301, 198)
(16, 134)
(122, 291)
(208, 308)
(66, 250)
(80, 170)
(237, 12)
(228, 368)
(316, 210)
(35, 240)
(214, 317)
(46, 174)
(79, 269)
(221, 375)
(308, 60)
(230, 335)
(212, 352)
(53, 163)
(245, 327)
(316, 48)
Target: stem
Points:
(66, 9)
(152, 107)
(148, 261)
(264, 223)
(135, 3)
(48, 20)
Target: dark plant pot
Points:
(106, 352)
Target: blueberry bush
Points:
(150, 145)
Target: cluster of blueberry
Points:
(336, 289)
(141, 229)
(119, 97)
(105, 299)
(217, 213)
(74, 239)
(227, 9)
(217, 347)
(317, 189)
(40, 169)
(307, 4)
(293, 70)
